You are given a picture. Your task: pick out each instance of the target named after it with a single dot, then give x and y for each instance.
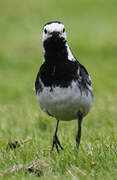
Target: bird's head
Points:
(55, 42)
(54, 31)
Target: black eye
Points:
(63, 30)
(45, 31)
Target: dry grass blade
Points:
(32, 167)
(13, 169)
(16, 144)
(13, 145)
(37, 168)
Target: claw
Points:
(56, 143)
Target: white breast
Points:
(65, 103)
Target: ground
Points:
(25, 131)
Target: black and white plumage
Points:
(63, 85)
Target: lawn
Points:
(25, 131)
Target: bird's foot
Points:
(56, 143)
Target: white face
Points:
(53, 27)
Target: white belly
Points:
(65, 103)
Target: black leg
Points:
(80, 117)
(56, 141)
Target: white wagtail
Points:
(63, 85)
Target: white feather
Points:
(51, 28)
(65, 103)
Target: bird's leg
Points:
(80, 117)
(56, 141)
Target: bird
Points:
(63, 86)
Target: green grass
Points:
(92, 34)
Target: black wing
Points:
(83, 78)
(38, 85)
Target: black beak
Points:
(55, 34)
